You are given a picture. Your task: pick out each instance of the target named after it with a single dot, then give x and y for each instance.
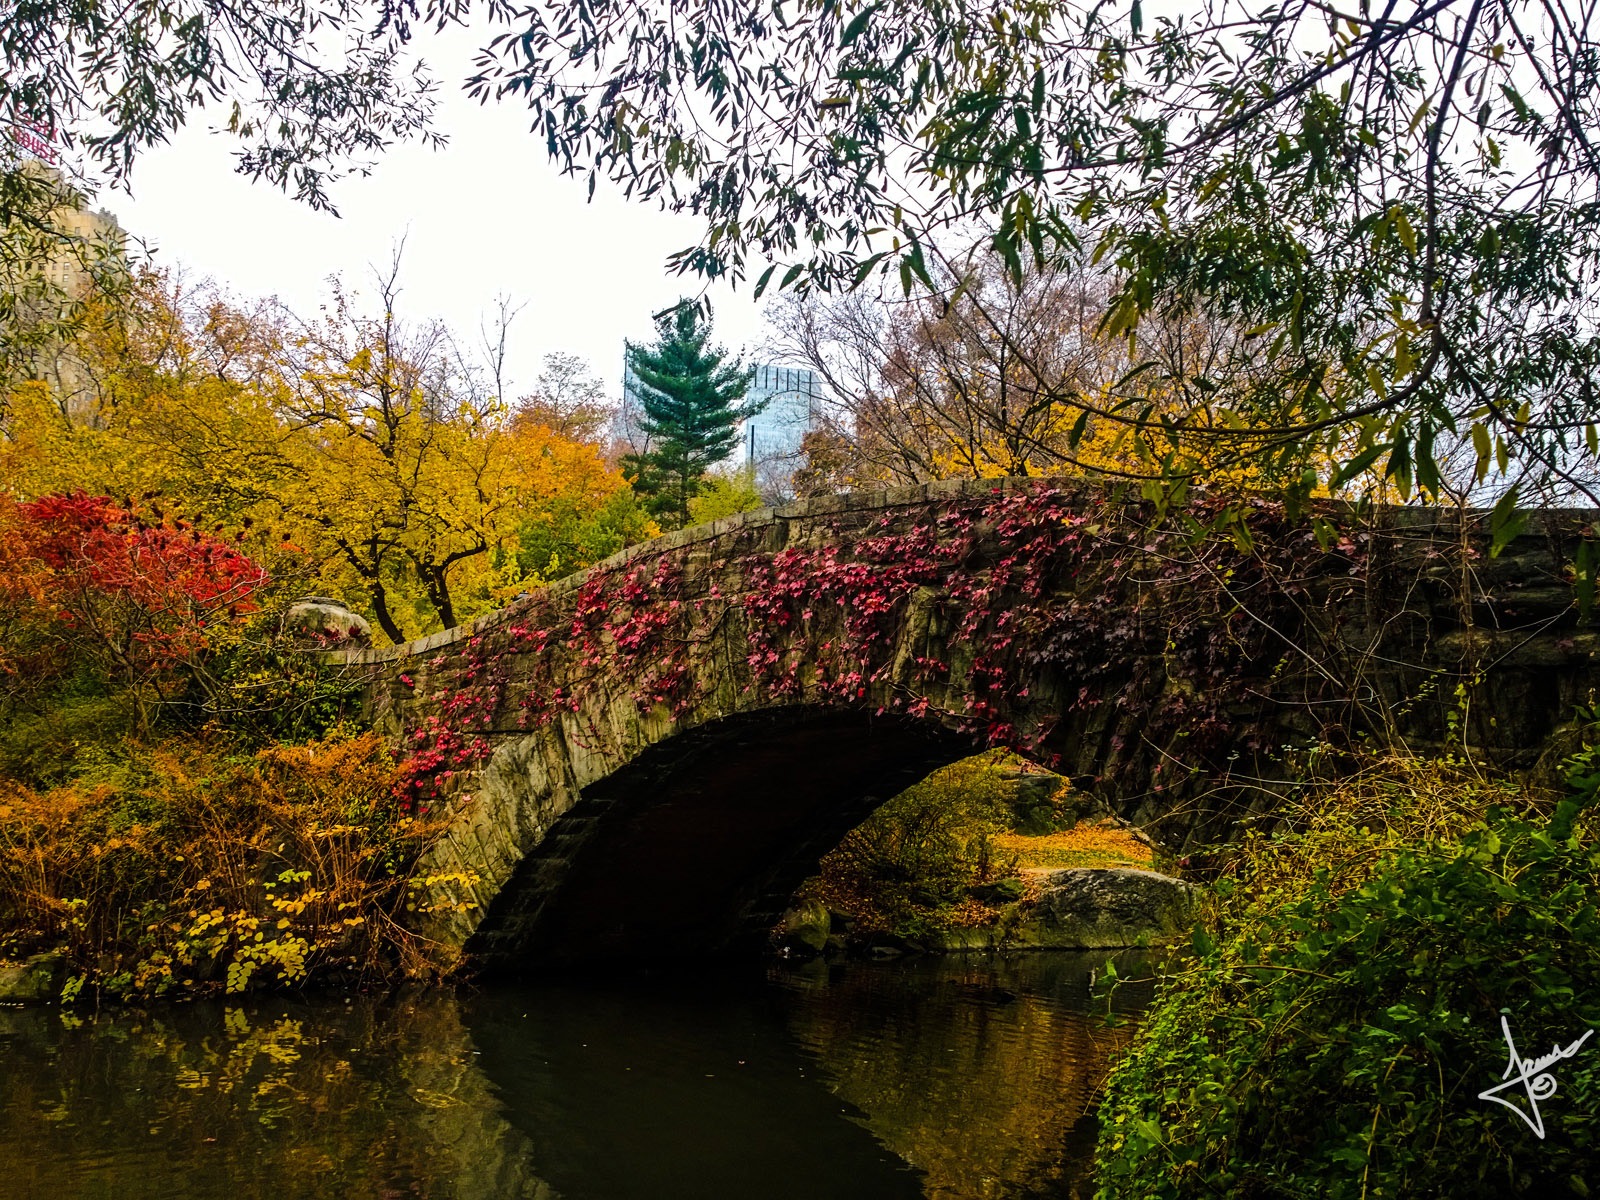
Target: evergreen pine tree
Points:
(692, 402)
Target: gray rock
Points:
(326, 622)
(1033, 787)
(1091, 908)
(1033, 792)
(35, 981)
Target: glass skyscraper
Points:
(775, 433)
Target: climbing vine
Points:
(1025, 618)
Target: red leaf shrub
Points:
(82, 576)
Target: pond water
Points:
(948, 1079)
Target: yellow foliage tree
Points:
(361, 454)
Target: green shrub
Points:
(569, 538)
(1343, 1011)
(76, 735)
(724, 495)
(263, 690)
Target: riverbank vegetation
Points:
(190, 866)
(189, 801)
(186, 804)
(1343, 1010)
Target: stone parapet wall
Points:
(777, 520)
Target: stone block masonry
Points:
(646, 758)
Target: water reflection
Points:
(681, 1089)
(280, 1100)
(979, 1074)
(937, 1079)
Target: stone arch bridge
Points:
(647, 758)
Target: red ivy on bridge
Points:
(1029, 586)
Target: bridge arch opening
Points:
(695, 847)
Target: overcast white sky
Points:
(485, 215)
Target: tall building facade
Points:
(792, 396)
(46, 286)
(83, 238)
(94, 241)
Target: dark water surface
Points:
(947, 1079)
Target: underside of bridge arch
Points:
(694, 848)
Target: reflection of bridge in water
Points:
(648, 758)
(943, 1078)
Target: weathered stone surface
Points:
(324, 621)
(1041, 805)
(1088, 908)
(1093, 908)
(35, 981)
(657, 751)
(805, 927)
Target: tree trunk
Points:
(438, 590)
(380, 609)
(686, 482)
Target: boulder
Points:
(805, 927)
(324, 621)
(1093, 908)
(1043, 802)
(37, 980)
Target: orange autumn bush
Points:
(187, 869)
